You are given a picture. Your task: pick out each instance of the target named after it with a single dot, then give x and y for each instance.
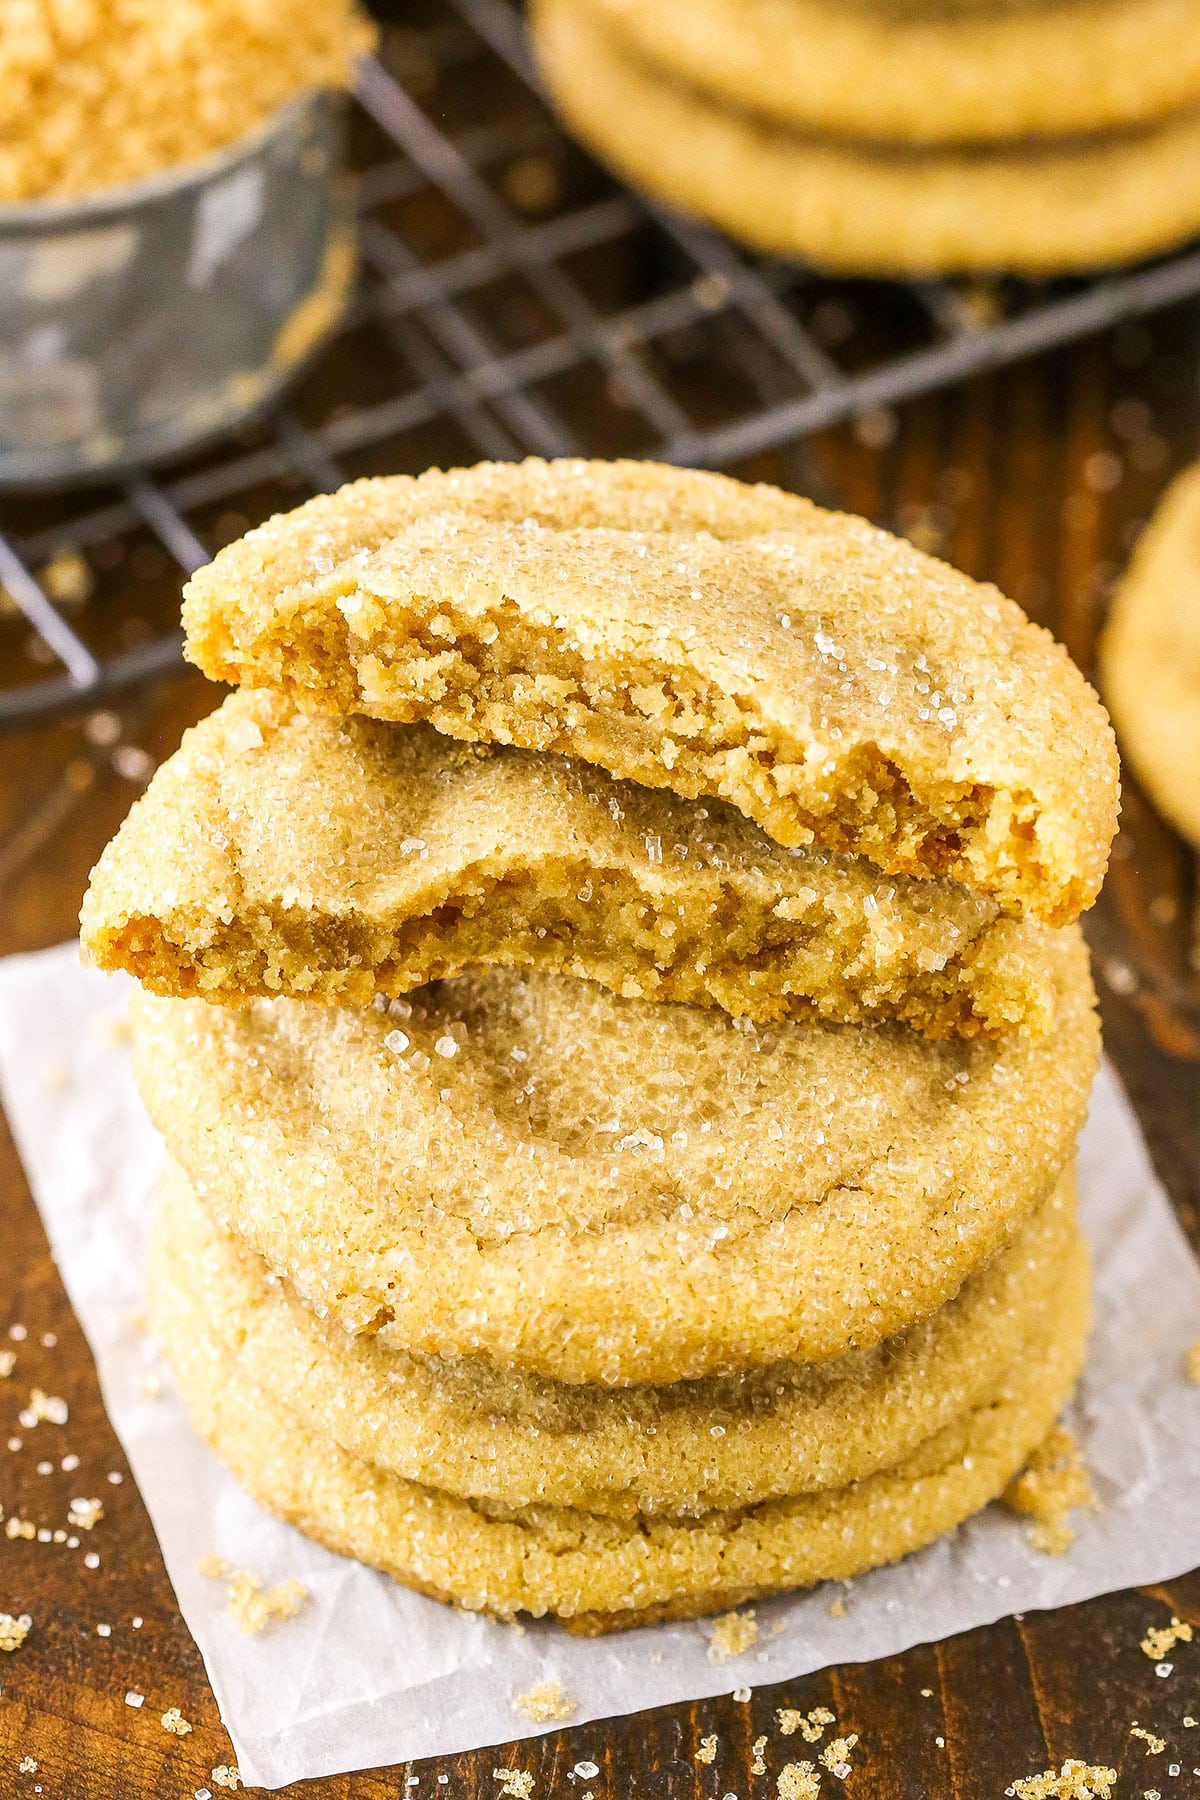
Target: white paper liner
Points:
(368, 1674)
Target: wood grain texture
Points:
(1030, 478)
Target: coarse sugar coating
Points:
(1150, 657)
(533, 1169)
(599, 1573)
(933, 75)
(471, 1429)
(686, 631)
(102, 92)
(1032, 206)
(334, 859)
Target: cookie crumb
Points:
(1053, 1483)
(707, 1753)
(1154, 1745)
(1075, 1781)
(8, 1362)
(49, 1407)
(213, 1567)
(547, 1701)
(19, 1528)
(174, 1722)
(798, 1781)
(27, 1766)
(837, 1607)
(14, 1629)
(1161, 1638)
(517, 1782)
(1191, 1363)
(731, 1635)
(757, 1749)
(226, 1776)
(836, 1755)
(253, 1607)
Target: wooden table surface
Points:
(1037, 478)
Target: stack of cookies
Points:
(897, 136)
(611, 997)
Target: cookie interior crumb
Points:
(545, 1702)
(1053, 1484)
(731, 1635)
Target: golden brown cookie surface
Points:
(1044, 208)
(922, 76)
(530, 1168)
(600, 1572)
(468, 1428)
(1150, 657)
(828, 680)
(333, 859)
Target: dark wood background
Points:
(1037, 478)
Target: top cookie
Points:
(685, 631)
(1150, 657)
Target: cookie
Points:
(530, 1168)
(278, 852)
(599, 1573)
(470, 1429)
(1026, 208)
(830, 681)
(1150, 657)
(921, 77)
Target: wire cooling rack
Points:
(513, 299)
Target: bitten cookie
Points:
(530, 1168)
(281, 853)
(827, 679)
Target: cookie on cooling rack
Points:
(1052, 206)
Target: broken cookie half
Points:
(340, 858)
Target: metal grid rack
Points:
(515, 300)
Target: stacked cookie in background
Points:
(613, 1005)
(904, 137)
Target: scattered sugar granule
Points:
(757, 1749)
(151, 1385)
(1161, 1638)
(1191, 1363)
(1075, 1781)
(91, 1560)
(742, 1695)
(254, 1606)
(104, 1631)
(545, 1702)
(83, 1514)
(1154, 1745)
(135, 1699)
(27, 1766)
(798, 1781)
(731, 1635)
(517, 1782)
(43, 1406)
(836, 1755)
(8, 1362)
(587, 1771)
(1053, 1483)
(225, 1775)
(14, 1629)
(810, 1725)
(174, 1722)
(707, 1753)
